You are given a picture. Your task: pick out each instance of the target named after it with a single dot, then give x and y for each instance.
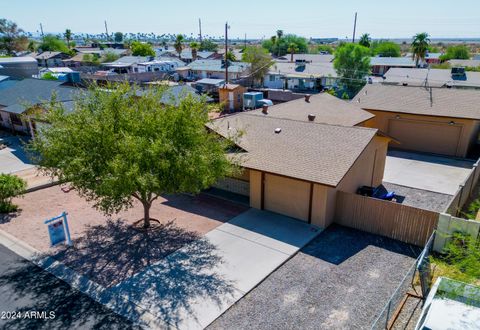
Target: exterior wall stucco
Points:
(468, 135)
(292, 197)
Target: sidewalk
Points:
(193, 286)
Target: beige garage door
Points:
(439, 138)
(287, 196)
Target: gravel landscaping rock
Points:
(423, 199)
(341, 280)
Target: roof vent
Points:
(311, 117)
(265, 109)
(307, 98)
(278, 130)
(404, 83)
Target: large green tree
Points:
(11, 37)
(260, 60)
(208, 45)
(420, 44)
(142, 49)
(352, 64)
(118, 37)
(279, 46)
(385, 48)
(115, 148)
(53, 43)
(457, 52)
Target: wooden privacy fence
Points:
(464, 191)
(404, 223)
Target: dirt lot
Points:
(108, 249)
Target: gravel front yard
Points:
(108, 249)
(341, 280)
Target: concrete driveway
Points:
(13, 158)
(193, 286)
(426, 172)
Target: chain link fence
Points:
(416, 283)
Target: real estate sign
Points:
(58, 230)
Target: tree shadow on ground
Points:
(337, 244)
(112, 252)
(174, 288)
(37, 290)
(7, 217)
(204, 205)
(164, 272)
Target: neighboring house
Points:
(294, 164)
(21, 95)
(430, 58)
(174, 94)
(64, 74)
(309, 58)
(301, 76)
(18, 67)
(435, 120)
(464, 63)
(216, 69)
(450, 305)
(78, 59)
(433, 77)
(159, 66)
(231, 95)
(380, 65)
(208, 85)
(127, 64)
(48, 59)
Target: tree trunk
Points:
(146, 215)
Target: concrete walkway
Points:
(427, 172)
(193, 286)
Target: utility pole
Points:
(226, 53)
(106, 29)
(245, 41)
(354, 27)
(200, 29)
(41, 30)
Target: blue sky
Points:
(309, 18)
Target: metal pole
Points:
(226, 52)
(354, 27)
(200, 29)
(67, 230)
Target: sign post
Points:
(58, 230)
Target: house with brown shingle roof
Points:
(294, 164)
(443, 121)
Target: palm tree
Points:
(292, 49)
(231, 56)
(365, 40)
(279, 37)
(178, 45)
(194, 46)
(420, 46)
(68, 37)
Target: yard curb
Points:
(120, 305)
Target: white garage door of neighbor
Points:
(287, 196)
(440, 138)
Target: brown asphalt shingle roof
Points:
(327, 109)
(442, 102)
(304, 150)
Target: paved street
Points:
(28, 291)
